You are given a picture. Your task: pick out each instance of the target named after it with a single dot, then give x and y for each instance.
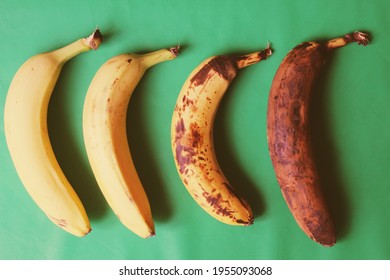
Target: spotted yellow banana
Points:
(105, 136)
(192, 137)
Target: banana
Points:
(105, 136)
(192, 137)
(25, 124)
(289, 139)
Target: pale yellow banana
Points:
(192, 137)
(25, 123)
(105, 136)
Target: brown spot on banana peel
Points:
(187, 153)
(288, 135)
(215, 200)
(225, 66)
(59, 221)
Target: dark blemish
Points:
(213, 200)
(196, 136)
(183, 153)
(295, 151)
(303, 46)
(248, 223)
(216, 201)
(299, 52)
(184, 156)
(115, 81)
(188, 102)
(108, 100)
(296, 113)
(129, 60)
(223, 65)
(180, 127)
(60, 222)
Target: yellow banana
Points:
(25, 123)
(192, 137)
(104, 126)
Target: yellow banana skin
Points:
(105, 136)
(192, 137)
(25, 123)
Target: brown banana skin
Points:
(289, 138)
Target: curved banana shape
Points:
(25, 123)
(104, 126)
(288, 135)
(192, 137)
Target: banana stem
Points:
(252, 58)
(81, 45)
(94, 40)
(357, 36)
(150, 59)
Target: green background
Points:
(349, 112)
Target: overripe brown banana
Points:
(289, 139)
(192, 137)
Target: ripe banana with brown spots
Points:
(289, 138)
(105, 136)
(192, 137)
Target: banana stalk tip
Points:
(95, 39)
(268, 50)
(175, 50)
(360, 37)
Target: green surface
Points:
(349, 111)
